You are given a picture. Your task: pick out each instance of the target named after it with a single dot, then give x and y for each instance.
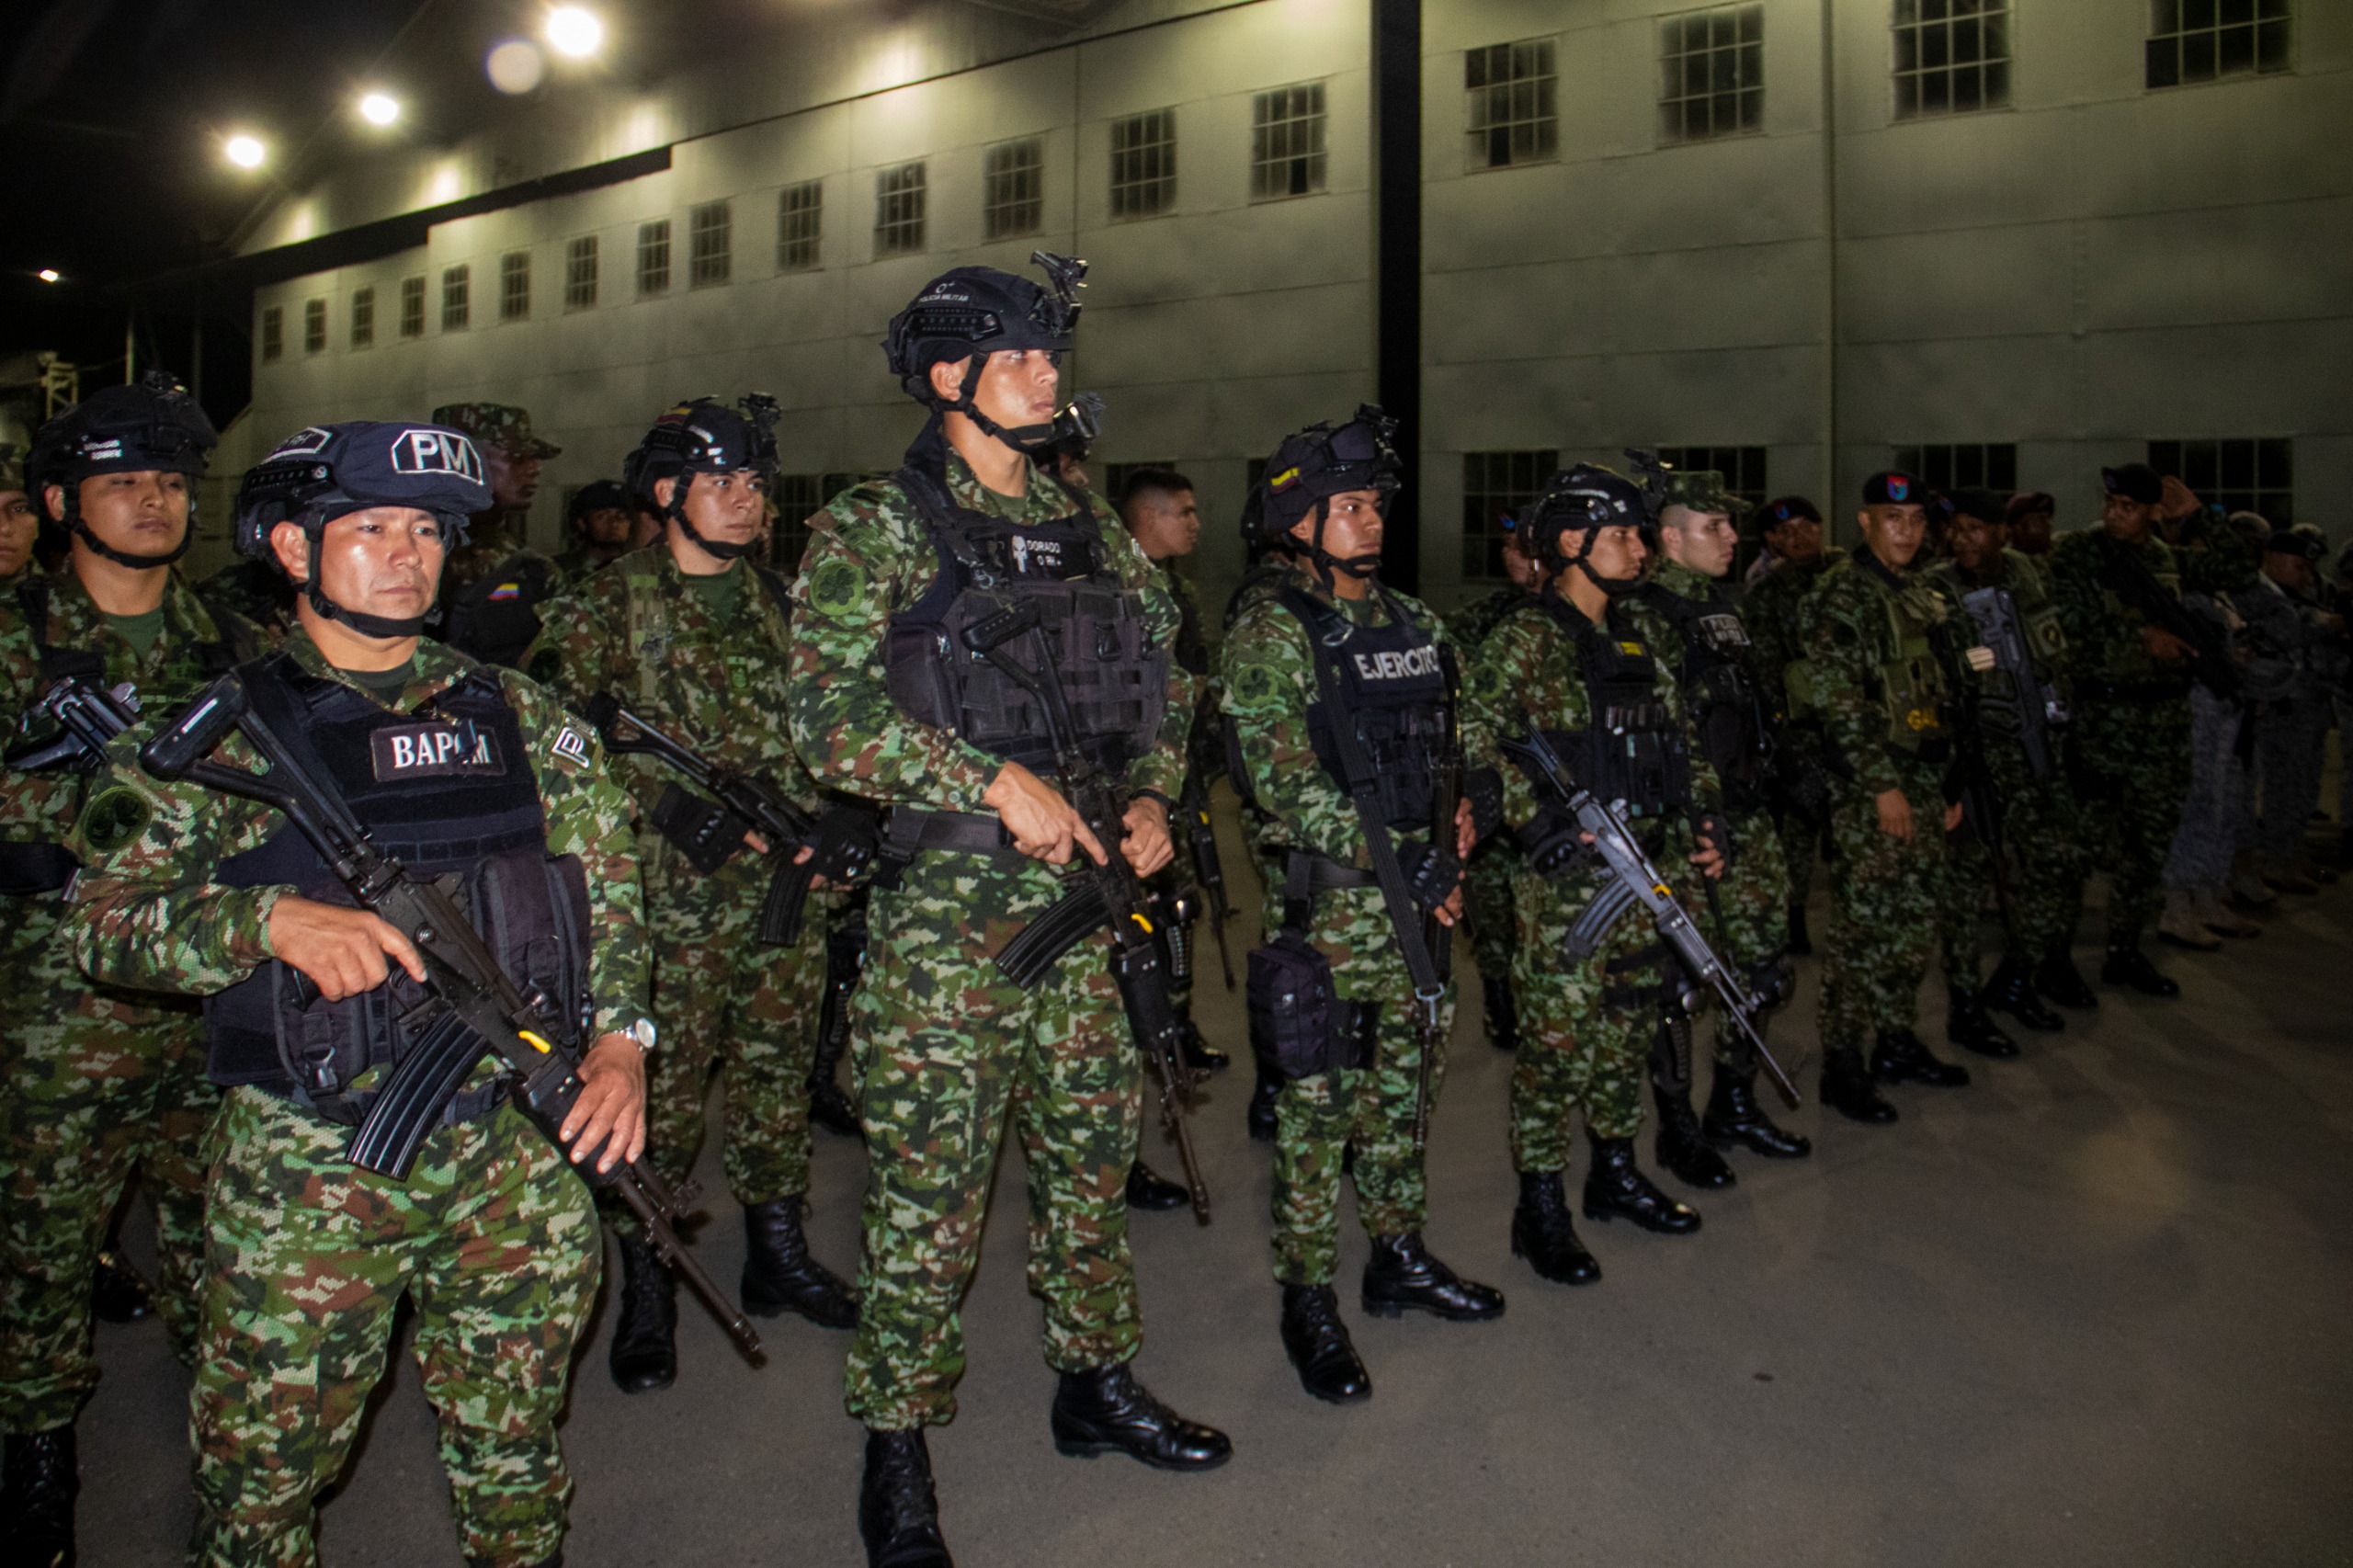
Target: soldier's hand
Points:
(2163, 644)
(2177, 499)
(1146, 844)
(1894, 814)
(1466, 837)
(1709, 859)
(342, 951)
(759, 846)
(1450, 912)
(1952, 817)
(1042, 823)
(611, 1112)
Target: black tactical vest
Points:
(1631, 753)
(1718, 680)
(1396, 693)
(446, 790)
(1115, 680)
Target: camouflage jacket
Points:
(1270, 671)
(1205, 743)
(2103, 631)
(147, 915)
(1469, 625)
(1869, 673)
(1769, 610)
(574, 566)
(870, 557)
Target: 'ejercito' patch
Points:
(435, 751)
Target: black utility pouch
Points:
(1293, 1010)
(705, 831)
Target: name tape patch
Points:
(1411, 665)
(435, 751)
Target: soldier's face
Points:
(144, 513)
(385, 561)
(1165, 522)
(1523, 569)
(606, 525)
(726, 509)
(1974, 542)
(1894, 532)
(1704, 541)
(1019, 386)
(2031, 532)
(1352, 525)
(514, 478)
(18, 528)
(1800, 539)
(2126, 518)
(1618, 552)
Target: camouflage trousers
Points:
(2207, 840)
(943, 1048)
(95, 1087)
(1754, 898)
(1883, 896)
(725, 1002)
(2040, 873)
(1487, 902)
(2131, 772)
(1319, 1119)
(2291, 745)
(494, 1241)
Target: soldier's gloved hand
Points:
(1554, 844)
(342, 951)
(1041, 822)
(1433, 874)
(611, 1112)
(1146, 846)
(1482, 789)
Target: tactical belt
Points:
(1308, 875)
(349, 1110)
(908, 830)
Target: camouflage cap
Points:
(1701, 490)
(500, 424)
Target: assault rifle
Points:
(842, 837)
(1999, 628)
(1437, 937)
(1969, 778)
(1633, 878)
(87, 716)
(1209, 870)
(1110, 893)
(473, 1008)
(2125, 574)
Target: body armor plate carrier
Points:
(1632, 751)
(1395, 686)
(1719, 680)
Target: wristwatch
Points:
(642, 1032)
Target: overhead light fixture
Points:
(246, 152)
(379, 108)
(47, 275)
(575, 31)
(514, 66)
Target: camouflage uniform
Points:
(1487, 880)
(944, 1046)
(100, 1084)
(494, 1236)
(1770, 611)
(493, 585)
(1269, 682)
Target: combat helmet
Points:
(151, 427)
(704, 434)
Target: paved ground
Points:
(2090, 1311)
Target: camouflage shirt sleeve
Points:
(1841, 652)
(1498, 687)
(1270, 679)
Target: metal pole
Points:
(1830, 506)
(1397, 265)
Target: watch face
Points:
(643, 1030)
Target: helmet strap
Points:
(367, 625)
(1326, 565)
(675, 512)
(1024, 439)
(124, 557)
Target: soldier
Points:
(1319, 744)
(1790, 530)
(1495, 865)
(2131, 736)
(1575, 663)
(2230, 601)
(20, 523)
(889, 703)
(1871, 672)
(2016, 734)
(2030, 515)
(1700, 632)
(693, 638)
(100, 1084)
(2292, 735)
(490, 594)
(601, 520)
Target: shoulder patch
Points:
(115, 818)
(571, 747)
(838, 587)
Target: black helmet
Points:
(597, 495)
(971, 312)
(152, 426)
(702, 435)
(1311, 467)
(321, 473)
(1581, 500)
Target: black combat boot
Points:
(830, 1108)
(1104, 1409)
(117, 1293)
(1616, 1189)
(555, 1562)
(1971, 1027)
(1200, 1054)
(1261, 1114)
(1542, 1232)
(778, 1274)
(645, 1325)
(1902, 1057)
(1503, 1014)
(1679, 1146)
(2128, 965)
(39, 1478)
(1318, 1345)
(1734, 1117)
(2061, 982)
(1847, 1088)
(1799, 945)
(1148, 1189)
(898, 1516)
(1403, 1272)
(2012, 991)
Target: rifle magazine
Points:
(443, 1049)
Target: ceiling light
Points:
(379, 108)
(575, 31)
(246, 152)
(47, 275)
(514, 66)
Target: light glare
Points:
(379, 108)
(575, 31)
(47, 275)
(246, 152)
(514, 66)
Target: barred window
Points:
(1743, 468)
(315, 326)
(2253, 475)
(1992, 465)
(273, 332)
(799, 221)
(1286, 156)
(710, 243)
(514, 286)
(1951, 56)
(413, 307)
(1143, 164)
(457, 297)
(363, 318)
(798, 497)
(654, 257)
(2197, 41)
(899, 210)
(580, 273)
(1514, 118)
(1711, 72)
(1012, 188)
(1496, 485)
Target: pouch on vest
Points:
(1292, 1006)
(705, 831)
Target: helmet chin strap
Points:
(1023, 439)
(124, 557)
(359, 620)
(1329, 566)
(1611, 587)
(717, 549)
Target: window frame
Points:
(2177, 457)
(1142, 173)
(1013, 196)
(1996, 463)
(362, 330)
(1482, 93)
(1481, 518)
(1307, 169)
(1909, 25)
(711, 263)
(413, 307)
(654, 257)
(584, 270)
(514, 285)
(2177, 40)
(902, 230)
(272, 335)
(457, 297)
(1746, 53)
(314, 325)
(787, 217)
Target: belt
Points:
(908, 830)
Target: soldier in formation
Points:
(496, 582)
(1789, 531)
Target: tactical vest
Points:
(1907, 680)
(447, 791)
(1631, 752)
(1397, 696)
(1719, 680)
(495, 616)
(1115, 680)
(2030, 584)
(2128, 662)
